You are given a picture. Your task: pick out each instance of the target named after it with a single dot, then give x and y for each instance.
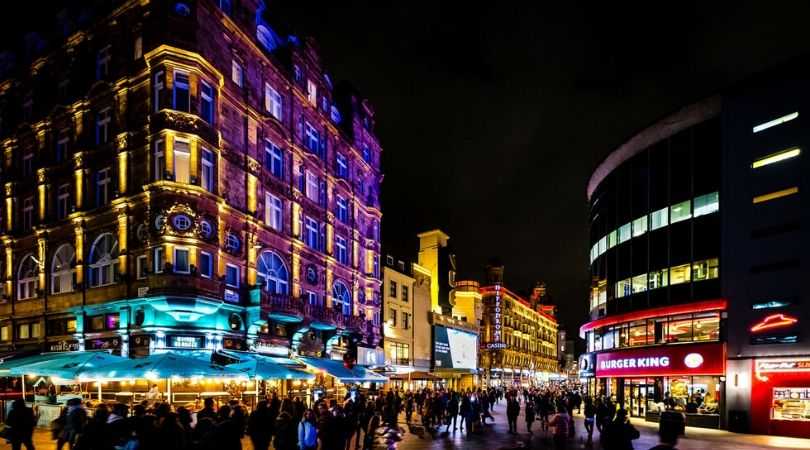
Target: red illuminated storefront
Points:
(690, 375)
(780, 397)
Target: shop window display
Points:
(791, 403)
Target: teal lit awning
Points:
(68, 365)
(264, 368)
(162, 365)
(335, 368)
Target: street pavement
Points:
(496, 437)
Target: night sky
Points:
(493, 116)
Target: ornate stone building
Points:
(179, 175)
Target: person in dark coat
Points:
(620, 434)
(96, 435)
(512, 412)
(529, 414)
(208, 410)
(21, 422)
(260, 434)
(227, 434)
(329, 431)
(286, 432)
(452, 411)
(671, 423)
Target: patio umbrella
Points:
(335, 368)
(264, 368)
(67, 366)
(7, 365)
(161, 365)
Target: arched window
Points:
(342, 298)
(27, 278)
(103, 260)
(63, 269)
(272, 273)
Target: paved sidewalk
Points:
(497, 437)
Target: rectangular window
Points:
(312, 299)
(612, 238)
(625, 232)
(313, 187)
(775, 195)
(312, 92)
(602, 245)
(680, 274)
(103, 63)
(225, 6)
(366, 153)
(624, 288)
(63, 201)
(28, 164)
(182, 161)
(775, 122)
(273, 212)
(103, 186)
(639, 283)
(103, 126)
(159, 166)
(208, 164)
(137, 52)
(405, 293)
(312, 233)
(157, 86)
(28, 213)
(159, 260)
(680, 211)
(206, 102)
(406, 321)
(206, 265)
(706, 270)
(24, 331)
(272, 101)
(707, 327)
(341, 209)
(181, 264)
(180, 96)
(659, 278)
(392, 289)
(341, 166)
(679, 329)
(232, 275)
(140, 267)
(640, 226)
(392, 317)
(5, 333)
(707, 204)
(312, 139)
(274, 159)
(342, 254)
(659, 219)
(237, 73)
(62, 146)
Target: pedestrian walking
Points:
(528, 413)
(308, 432)
(260, 434)
(561, 423)
(620, 434)
(512, 412)
(20, 424)
(590, 418)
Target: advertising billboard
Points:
(689, 359)
(454, 349)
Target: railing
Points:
(282, 303)
(319, 313)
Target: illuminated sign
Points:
(692, 359)
(231, 296)
(496, 334)
(587, 366)
(185, 341)
(778, 366)
(774, 321)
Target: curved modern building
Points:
(696, 249)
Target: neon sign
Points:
(774, 321)
(496, 334)
(692, 359)
(780, 366)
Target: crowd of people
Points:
(349, 424)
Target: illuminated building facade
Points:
(696, 259)
(179, 175)
(518, 339)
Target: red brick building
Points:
(178, 175)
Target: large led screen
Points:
(454, 349)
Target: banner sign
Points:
(686, 359)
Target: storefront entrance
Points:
(637, 393)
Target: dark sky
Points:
(493, 116)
